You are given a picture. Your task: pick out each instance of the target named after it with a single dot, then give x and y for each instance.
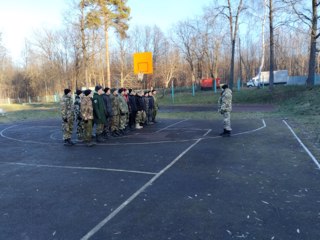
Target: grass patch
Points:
(217, 116)
(298, 104)
(293, 100)
(20, 112)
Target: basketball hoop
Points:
(140, 76)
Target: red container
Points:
(207, 83)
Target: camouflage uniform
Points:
(87, 116)
(77, 112)
(146, 108)
(67, 115)
(123, 106)
(115, 113)
(225, 107)
(155, 109)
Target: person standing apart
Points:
(99, 114)
(67, 115)
(225, 108)
(87, 116)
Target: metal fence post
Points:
(172, 91)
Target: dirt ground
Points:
(177, 179)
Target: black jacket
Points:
(107, 104)
(151, 102)
(132, 103)
(140, 103)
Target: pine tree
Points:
(109, 14)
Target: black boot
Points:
(100, 139)
(223, 133)
(228, 133)
(114, 134)
(68, 142)
(119, 132)
(127, 129)
(105, 135)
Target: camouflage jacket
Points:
(77, 107)
(225, 101)
(156, 104)
(115, 105)
(123, 105)
(66, 105)
(86, 108)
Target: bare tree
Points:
(233, 15)
(310, 18)
(186, 41)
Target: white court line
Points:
(209, 130)
(301, 143)
(132, 143)
(19, 140)
(254, 130)
(79, 168)
(136, 194)
(171, 125)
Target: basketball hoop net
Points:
(140, 76)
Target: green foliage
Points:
(106, 13)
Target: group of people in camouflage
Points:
(113, 112)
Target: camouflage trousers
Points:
(154, 114)
(115, 123)
(87, 133)
(107, 126)
(80, 129)
(141, 117)
(124, 119)
(99, 128)
(67, 128)
(226, 121)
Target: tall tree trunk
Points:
(84, 46)
(263, 40)
(107, 54)
(271, 75)
(313, 46)
(233, 35)
(232, 64)
(240, 65)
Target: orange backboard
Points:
(142, 63)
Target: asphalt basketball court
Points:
(177, 179)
